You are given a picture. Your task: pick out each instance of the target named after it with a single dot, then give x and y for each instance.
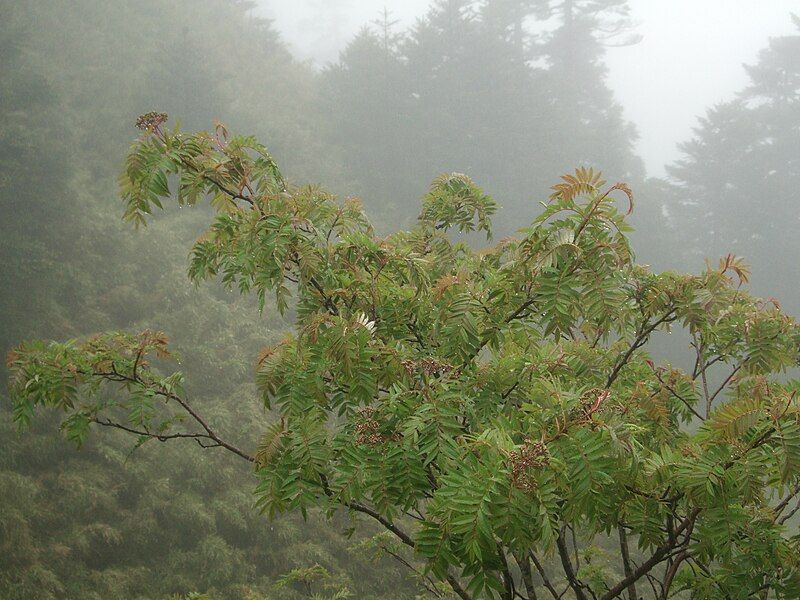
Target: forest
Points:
(416, 324)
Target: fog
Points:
(389, 299)
(690, 56)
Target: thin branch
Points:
(626, 561)
(508, 580)
(784, 503)
(425, 580)
(543, 575)
(326, 300)
(161, 437)
(139, 353)
(672, 391)
(723, 384)
(399, 533)
(510, 390)
(641, 338)
(658, 556)
(211, 434)
(653, 581)
(205, 446)
(576, 585)
(412, 327)
(460, 591)
(671, 572)
(790, 514)
(693, 561)
(493, 329)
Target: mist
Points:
(402, 200)
(690, 56)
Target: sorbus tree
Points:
(496, 411)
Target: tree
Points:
(367, 99)
(482, 87)
(454, 89)
(477, 104)
(487, 408)
(588, 119)
(744, 153)
(507, 18)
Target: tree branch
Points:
(508, 580)
(115, 375)
(576, 585)
(547, 583)
(721, 387)
(406, 539)
(426, 581)
(626, 561)
(524, 564)
(161, 437)
(389, 525)
(790, 514)
(672, 391)
(658, 556)
(641, 338)
(672, 570)
(785, 502)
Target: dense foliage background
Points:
(465, 90)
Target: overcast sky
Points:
(690, 56)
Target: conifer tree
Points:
(589, 121)
(462, 90)
(745, 154)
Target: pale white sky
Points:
(690, 56)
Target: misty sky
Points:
(690, 56)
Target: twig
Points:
(115, 375)
(641, 338)
(544, 577)
(161, 437)
(626, 561)
(426, 581)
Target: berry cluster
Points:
(150, 121)
(368, 430)
(429, 367)
(532, 455)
